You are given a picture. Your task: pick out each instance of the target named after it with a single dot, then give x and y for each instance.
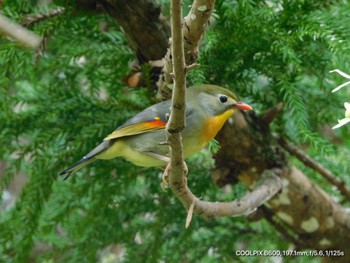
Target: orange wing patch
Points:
(138, 128)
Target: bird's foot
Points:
(167, 169)
(166, 175)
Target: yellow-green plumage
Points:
(140, 139)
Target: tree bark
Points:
(145, 27)
(315, 220)
(176, 121)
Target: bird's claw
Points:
(166, 175)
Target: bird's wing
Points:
(151, 119)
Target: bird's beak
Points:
(242, 106)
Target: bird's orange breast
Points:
(214, 124)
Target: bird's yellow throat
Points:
(213, 125)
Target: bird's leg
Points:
(167, 171)
(167, 168)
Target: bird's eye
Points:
(223, 98)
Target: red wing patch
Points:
(156, 123)
(138, 128)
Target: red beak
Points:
(243, 106)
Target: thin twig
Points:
(32, 19)
(311, 163)
(191, 67)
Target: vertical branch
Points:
(267, 187)
(177, 117)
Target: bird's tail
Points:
(87, 159)
(77, 166)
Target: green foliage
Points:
(277, 53)
(58, 105)
(214, 146)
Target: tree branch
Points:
(176, 122)
(309, 162)
(19, 33)
(303, 208)
(266, 187)
(272, 113)
(194, 26)
(143, 24)
(32, 19)
(282, 228)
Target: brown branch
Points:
(282, 228)
(145, 27)
(147, 31)
(32, 19)
(272, 113)
(176, 121)
(305, 209)
(311, 163)
(268, 185)
(195, 24)
(19, 33)
(193, 28)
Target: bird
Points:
(140, 140)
